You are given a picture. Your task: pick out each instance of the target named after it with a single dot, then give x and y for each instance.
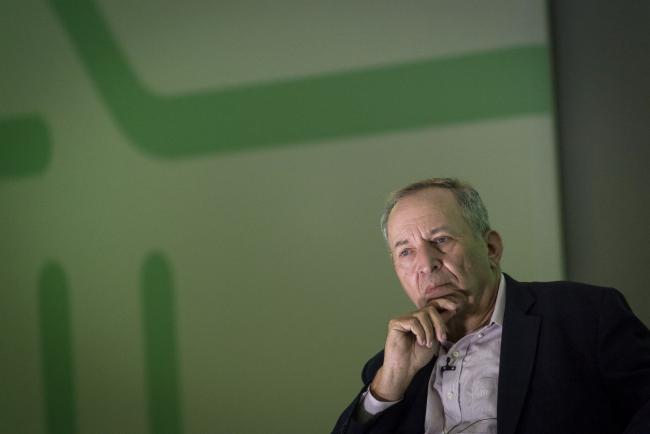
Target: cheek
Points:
(457, 267)
(406, 278)
(404, 269)
(469, 264)
(409, 284)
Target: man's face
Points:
(437, 255)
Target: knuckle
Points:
(412, 321)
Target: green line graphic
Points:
(56, 349)
(161, 359)
(486, 85)
(490, 84)
(25, 148)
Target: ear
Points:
(495, 248)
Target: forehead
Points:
(430, 207)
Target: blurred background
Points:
(190, 193)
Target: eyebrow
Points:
(433, 231)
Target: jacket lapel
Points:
(518, 348)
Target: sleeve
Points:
(369, 406)
(406, 415)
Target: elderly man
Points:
(484, 353)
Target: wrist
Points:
(389, 385)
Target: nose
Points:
(429, 260)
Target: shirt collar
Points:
(500, 304)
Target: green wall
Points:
(190, 192)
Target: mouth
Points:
(438, 290)
(446, 291)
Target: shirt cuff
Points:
(372, 405)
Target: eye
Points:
(404, 252)
(441, 240)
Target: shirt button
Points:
(480, 335)
(455, 354)
(450, 395)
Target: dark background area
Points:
(602, 72)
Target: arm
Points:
(409, 411)
(396, 373)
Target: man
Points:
(484, 353)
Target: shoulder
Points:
(565, 297)
(561, 287)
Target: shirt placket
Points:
(450, 382)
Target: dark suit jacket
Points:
(574, 360)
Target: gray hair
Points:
(471, 205)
